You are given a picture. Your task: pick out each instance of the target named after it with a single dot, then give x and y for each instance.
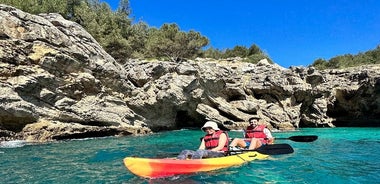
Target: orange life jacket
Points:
(212, 140)
(256, 132)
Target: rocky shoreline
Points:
(56, 82)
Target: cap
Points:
(211, 124)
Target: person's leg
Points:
(199, 154)
(234, 142)
(213, 154)
(255, 143)
(185, 154)
(238, 142)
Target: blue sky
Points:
(291, 32)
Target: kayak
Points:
(158, 168)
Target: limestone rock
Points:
(56, 82)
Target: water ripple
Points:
(338, 156)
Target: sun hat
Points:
(211, 124)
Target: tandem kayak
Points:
(158, 168)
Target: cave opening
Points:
(356, 122)
(185, 120)
(353, 116)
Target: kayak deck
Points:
(157, 168)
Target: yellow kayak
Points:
(157, 168)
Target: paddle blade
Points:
(303, 138)
(270, 149)
(275, 149)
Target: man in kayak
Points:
(255, 136)
(214, 144)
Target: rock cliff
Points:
(56, 82)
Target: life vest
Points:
(212, 140)
(256, 132)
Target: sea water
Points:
(340, 155)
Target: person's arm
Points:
(202, 146)
(269, 136)
(222, 142)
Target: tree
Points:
(349, 60)
(254, 49)
(70, 10)
(124, 7)
(118, 47)
(137, 36)
(212, 53)
(169, 41)
(237, 51)
(121, 17)
(39, 6)
(108, 28)
(320, 64)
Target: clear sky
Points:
(291, 32)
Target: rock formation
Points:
(56, 82)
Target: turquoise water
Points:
(340, 155)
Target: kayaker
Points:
(255, 136)
(214, 144)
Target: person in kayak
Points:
(255, 136)
(214, 144)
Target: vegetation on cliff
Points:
(122, 39)
(349, 60)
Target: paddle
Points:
(301, 138)
(297, 138)
(270, 149)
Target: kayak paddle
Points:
(270, 149)
(297, 138)
(301, 138)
